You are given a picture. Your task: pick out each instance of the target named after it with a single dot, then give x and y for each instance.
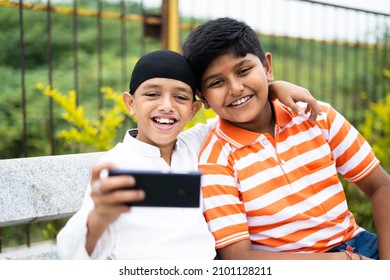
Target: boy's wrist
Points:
(271, 90)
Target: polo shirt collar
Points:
(239, 137)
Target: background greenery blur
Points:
(374, 122)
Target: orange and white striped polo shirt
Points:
(284, 192)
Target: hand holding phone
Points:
(164, 189)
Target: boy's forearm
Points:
(380, 210)
(377, 187)
(289, 94)
(242, 250)
(95, 230)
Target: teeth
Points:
(240, 101)
(164, 120)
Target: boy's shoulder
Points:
(129, 146)
(215, 149)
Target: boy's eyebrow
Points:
(186, 90)
(151, 86)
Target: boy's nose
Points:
(166, 104)
(236, 87)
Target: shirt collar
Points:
(147, 149)
(239, 137)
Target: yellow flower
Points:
(98, 133)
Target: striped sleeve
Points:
(354, 157)
(223, 209)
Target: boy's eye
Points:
(216, 83)
(243, 71)
(151, 94)
(182, 98)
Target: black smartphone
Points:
(164, 189)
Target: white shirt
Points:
(146, 233)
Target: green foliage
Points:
(38, 129)
(14, 236)
(99, 133)
(35, 54)
(376, 127)
(11, 117)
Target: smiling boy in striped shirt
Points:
(270, 177)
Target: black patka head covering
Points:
(162, 64)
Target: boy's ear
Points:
(206, 105)
(196, 105)
(200, 95)
(128, 100)
(268, 67)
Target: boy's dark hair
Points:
(219, 37)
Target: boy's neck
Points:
(265, 122)
(269, 127)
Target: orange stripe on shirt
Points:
(225, 210)
(230, 235)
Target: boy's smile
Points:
(241, 101)
(164, 121)
(236, 88)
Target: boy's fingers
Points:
(125, 196)
(110, 184)
(297, 109)
(314, 109)
(98, 168)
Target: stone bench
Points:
(41, 189)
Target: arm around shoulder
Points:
(289, 94)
